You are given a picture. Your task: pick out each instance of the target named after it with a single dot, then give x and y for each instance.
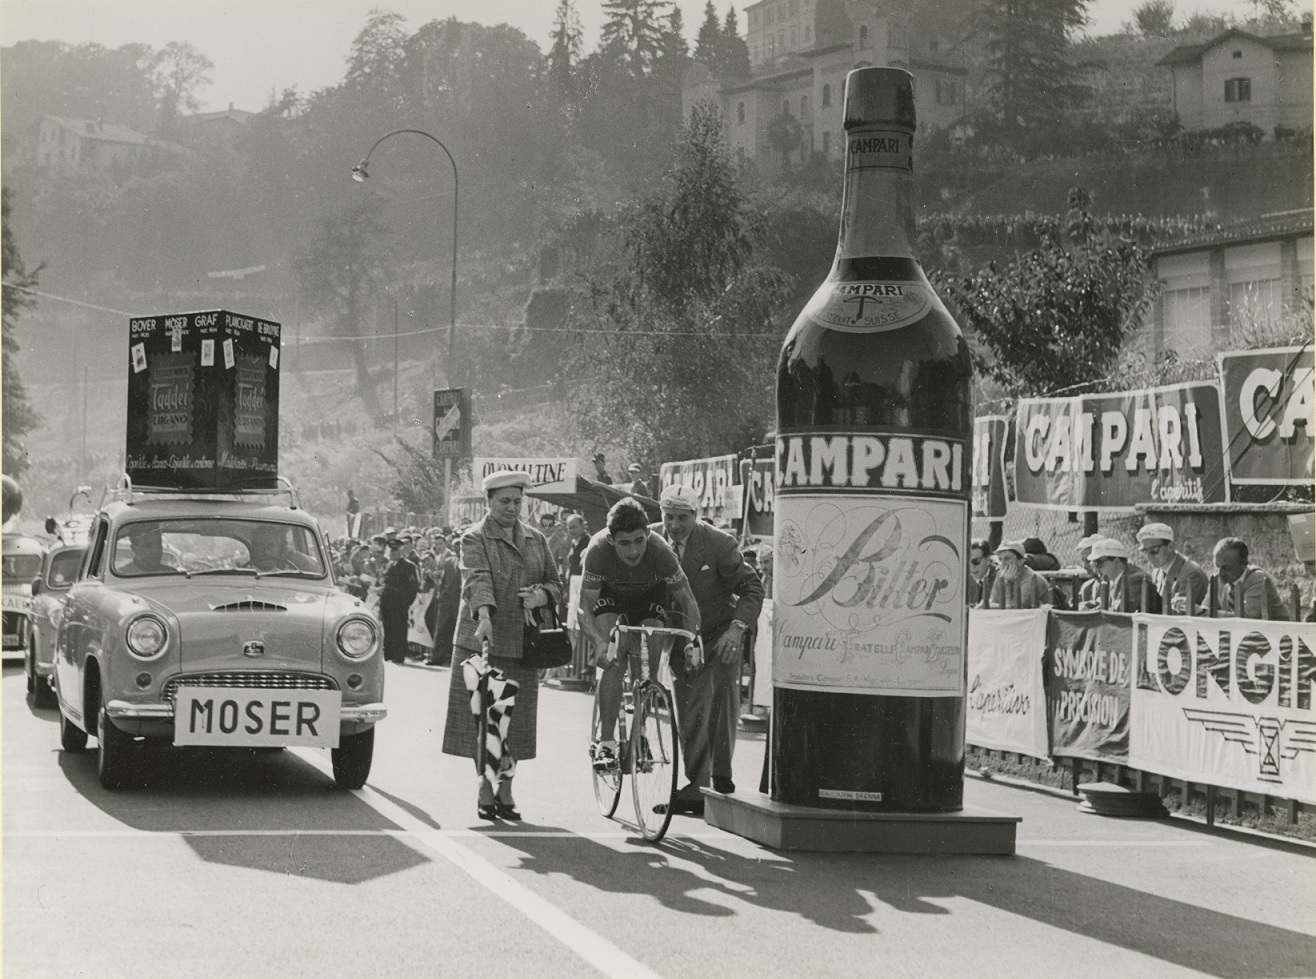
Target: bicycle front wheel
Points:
(607, 779)
(656, 759)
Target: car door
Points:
(80, 618)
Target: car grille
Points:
(259, 681)
(250, 605)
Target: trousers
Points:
(708, 707)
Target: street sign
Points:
(452, 424)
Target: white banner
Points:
(711, 478)
(417, 631)
(550, 475)
(1226, 702)
(1007, 699)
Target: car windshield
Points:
(216, 545)
(63, 569)
(21, 567)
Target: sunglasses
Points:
(1153, 549)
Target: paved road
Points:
(224, 866)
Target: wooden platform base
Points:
(782, 826)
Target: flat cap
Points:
(1109, 548)
(507, 477)
(1156, 531)
(1087, 543)
(678, 496)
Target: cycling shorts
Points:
(650, 604)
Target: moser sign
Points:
(1227, 702)
(550, 475)
(1112, 451)
(1269, 399)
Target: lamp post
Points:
(360, 173)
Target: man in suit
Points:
(982, 573)
(1180, 580)
(1126, 586)
(730, 596)
(1245, 590)
(401, 583)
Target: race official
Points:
(730, 596)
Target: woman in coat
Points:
(507, 570)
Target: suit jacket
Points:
(1028, 590)
(724, 586)
(1253, 596)
(977, 592)
(1183, 577)
(401, 584)
(1129, 597)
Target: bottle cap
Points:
(879, 97)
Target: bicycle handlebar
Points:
(661, 630)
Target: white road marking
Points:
(1152, 843)
(589, 945)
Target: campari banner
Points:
(711, 478)
(1269, 399)
(1006, 708)
(1089, 670)
(756, 476)
(1227, 702)
(1113, 451)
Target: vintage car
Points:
(22, 562)
(203, 621)
(49, 589)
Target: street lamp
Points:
(360, 173)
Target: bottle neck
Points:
(877, 208)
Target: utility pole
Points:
(395, 363)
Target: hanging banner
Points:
(1113, 451)
(1269, 397)
(1007, 702)
(711, 478)
(550, 475)
(756, 477)
(1089, 670)
(1226, 702)
(988, 474)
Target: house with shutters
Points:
(1241, 77)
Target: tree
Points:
(786, 136)
(19, 415)
(633, 32)
(733, 60)
(1155, 18)
(684, 324)
(180, 72)
(1031, 83)
(378, 57)
(709, 37)
(338, 273)
(566, 49)
(1055, 318)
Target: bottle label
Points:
(868, 595)
(869, 564)
(888, 149)
(869, 307)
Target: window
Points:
(827, 95)
(1238, 54)
(1252, 273)
(1187, 321)
(740, 113)
(863, 35)
(1238, 90)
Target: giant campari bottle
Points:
(874, 424)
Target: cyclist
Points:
(628, 570)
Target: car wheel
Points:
(43, 694)
(71, 737)
(116, 754)
(352, 759)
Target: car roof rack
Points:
(125, 492)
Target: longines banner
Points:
(711, 478)
(1227, 702)
(1089, 671)
(1269, 399)
(1007, 701)
(988, 474)
(1112, 451)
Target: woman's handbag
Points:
(546, 646)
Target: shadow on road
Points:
(260, 810)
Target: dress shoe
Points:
(489, 811)
(723, 784)
(508, 811)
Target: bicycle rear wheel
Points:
(607, 782)
(656, 759)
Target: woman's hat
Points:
(506, 477)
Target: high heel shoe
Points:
(490, 811)
(508, 811)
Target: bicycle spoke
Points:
(655, 757)
(607, 783)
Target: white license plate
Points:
(245, 718)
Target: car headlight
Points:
(357, 638)
(146, 636)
